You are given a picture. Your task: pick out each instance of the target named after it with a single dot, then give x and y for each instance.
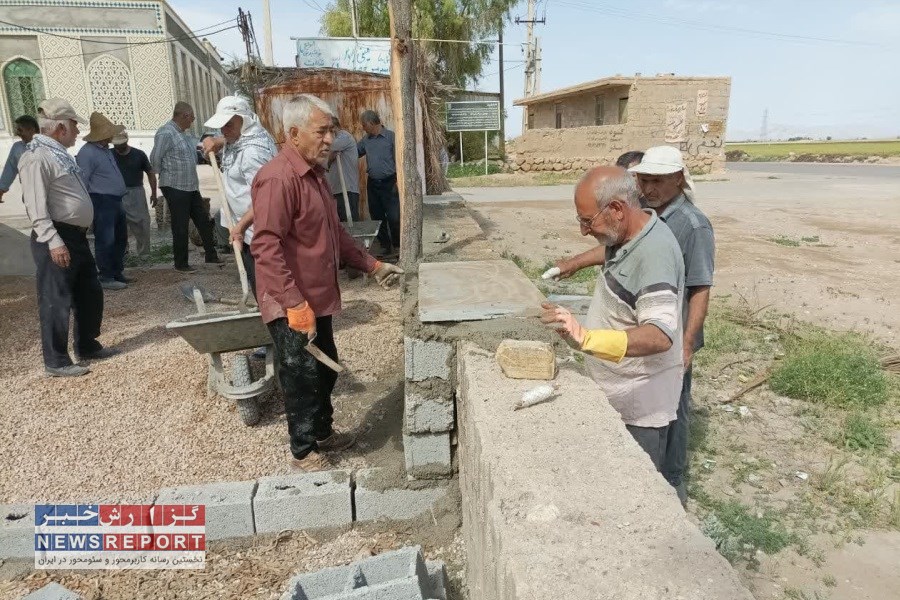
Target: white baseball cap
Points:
(663, 160)
(228, 107)
(59, 110)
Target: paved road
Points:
(824, 169)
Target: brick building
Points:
(574, 128)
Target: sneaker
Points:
(67, 371)
(215, 260)
(337, 441)
(112, 284)
(312, 462)
(99, 354)
(124, 279)
(186, 269)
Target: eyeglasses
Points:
(588, 223)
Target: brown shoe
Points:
(337, 441)
(312, 462)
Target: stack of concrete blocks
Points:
(399, 575)
(429, 411)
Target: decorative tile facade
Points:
(111, 92)
(65, 75)
(152, 78)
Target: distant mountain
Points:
(848, 131)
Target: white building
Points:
(130, 60)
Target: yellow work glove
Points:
(301, 319)
(608, 344)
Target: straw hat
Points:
(102, 129)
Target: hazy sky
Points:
(821, 67)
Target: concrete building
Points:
(575, 128)
(131, 60)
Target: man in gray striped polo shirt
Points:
(633, 331)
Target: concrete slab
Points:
(475, 291)
(52, 591)
(379, 498)
(559, 501)
(229, 506)
(17, 531)
(303, 501)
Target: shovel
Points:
(314, 350)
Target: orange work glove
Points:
(301, 319)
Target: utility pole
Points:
(530, 57)
(536, 84)
(764, 130)
(353, 25)
(502, 96)
(267, 34)
(403, 100)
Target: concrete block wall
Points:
(428, 412)
(560, 502)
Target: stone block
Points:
(52, 591)
(229, 506)
(526, 359)
(425, 413)
(17, 531)
(427, 455)
(302, 501)
(425, 359)
(399, 575)
(378, 497)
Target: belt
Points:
(61, 225)
(385, 179)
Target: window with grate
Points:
(24, 88)
(111, 90)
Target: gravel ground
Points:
(141, 420)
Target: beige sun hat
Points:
(102, 128)
(664, 160)
(58, 109)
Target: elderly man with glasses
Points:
(632, 333)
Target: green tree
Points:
(466, 20)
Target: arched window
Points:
(111, 89)
(24, 87)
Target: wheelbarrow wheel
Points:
(240, 376)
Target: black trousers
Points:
(306, 383)
(384, 206)
(353, 200)
(75, 290)
(652, 440)
(184, 207)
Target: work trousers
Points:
(184, 207)
(675, 461)
(110, 235)
(60, 292)
(306, 383)
(137, 216)
(384, 206)
(652, 440)
(353, 200)
(249, 266)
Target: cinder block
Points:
(427, 455)
(398, 575)
(526, 359)
(425, 359)
(423, 413)
(229, 506)
(379, 498)
(302, 501)
(52, 591)
(17, 531)
(437, 574)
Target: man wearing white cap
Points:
(246, 146)
(667, 188)
(60, 209)
(133, 163)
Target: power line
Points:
(710, 27)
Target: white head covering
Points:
(665, 160)
(230, 106)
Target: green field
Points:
(781, 150)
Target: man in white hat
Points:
(106, 186)
(60, 209)
(246, 146)
(133, 163)
(667, 188)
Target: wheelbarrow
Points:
(216, 333)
